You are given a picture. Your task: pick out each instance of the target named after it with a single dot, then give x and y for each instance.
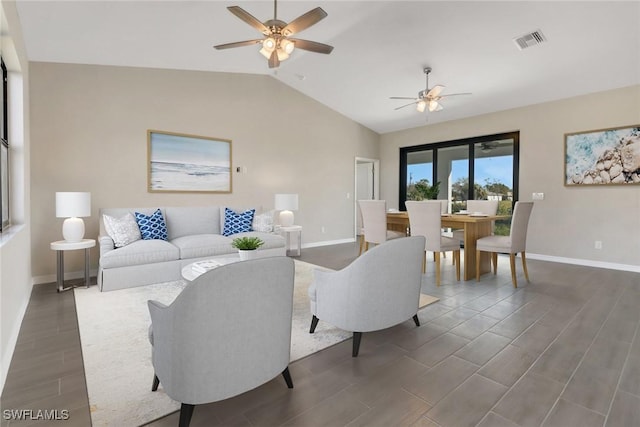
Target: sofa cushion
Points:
(152, 227)
(235, 222)
(140, 252)
(186, 221)
(122, 230)
(203, 245)
(270, 240)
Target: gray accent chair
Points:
(515, 242)
(228, 332)
(374, 222)
(380, 289)
(425, 219)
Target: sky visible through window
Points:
(499, 169)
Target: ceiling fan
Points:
(428, 98)
(277, 44)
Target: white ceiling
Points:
(381, 48)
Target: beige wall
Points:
(569, 220)
(88, 132)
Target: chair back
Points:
(519, 225)
(425, 220)
(380, 289)
(374, 220)
(227, 332)
(489, 207)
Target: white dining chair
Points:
(488, 207)
(512, 244)
(374, 222)
(425, 220)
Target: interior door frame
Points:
(376, 187)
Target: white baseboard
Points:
(7, 354)
(70, 275)
(328, 243)
(585, 262)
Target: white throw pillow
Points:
(123, 230)
(263, 222)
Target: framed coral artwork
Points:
(188, 163)
(602, 157)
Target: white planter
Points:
(247, 255)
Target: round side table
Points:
(62, 245)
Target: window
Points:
(4, 152)
(480, 168)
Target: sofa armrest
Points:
(106, 244)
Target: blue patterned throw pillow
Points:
(237, 222)
(152, 227)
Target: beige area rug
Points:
(117, 354)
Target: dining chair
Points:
(489, 207)
(360, 232)
(425, 220)
(374, 222)
(515, 242)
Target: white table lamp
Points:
(286, 203)
(73, 206)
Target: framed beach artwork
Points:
(188, 163)
(602, 157)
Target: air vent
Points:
(532, 39)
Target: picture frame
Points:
(186, 163)
(602, 157)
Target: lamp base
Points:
(286, 218)
(73, 229)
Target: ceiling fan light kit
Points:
(428, 98)
(277, 46)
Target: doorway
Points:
(367, 186)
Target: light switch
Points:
(537, 196)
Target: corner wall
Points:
(88, 132)
(565, 225)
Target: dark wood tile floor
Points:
(563, 350)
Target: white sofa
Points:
(193, 233)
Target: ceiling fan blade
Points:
(274, 62)
(237, 44)
(303, 22)
(434, 106)
(406, 105)
(435, 91)
(312, 46)
(249, 19)
(455, 94)
(402, 97)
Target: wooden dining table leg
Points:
(472, 232)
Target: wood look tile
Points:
(339, 410)
(454, 317)
(494, 420)
(630, 381)
(566, 414)
(440, 380)
(508, 365)
(478, 394)
(474, 326)
(397, 409)
(483, 348)
(625, 410)
(436, 350)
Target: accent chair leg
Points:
(357, 337)
(416, 320)
(478, 256)
(314, 323)
(512, 261)
(287, 377)
(361, 244)
(156, 383)
(186, 411)
(524, 267)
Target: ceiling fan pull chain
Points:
(275, 9)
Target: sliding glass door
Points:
(480, 168)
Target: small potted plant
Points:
(247, 246)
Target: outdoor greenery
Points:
(421, 190)
(247, 243)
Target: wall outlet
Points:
(598, 244)
(537, 196)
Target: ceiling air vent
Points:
(531, 39)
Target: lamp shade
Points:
(73, 204)
(286, 202)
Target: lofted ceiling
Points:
(381, 48)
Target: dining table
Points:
(475, 226)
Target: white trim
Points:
(328, 243)
(585, 262)
(7, 354)
(70, 275)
